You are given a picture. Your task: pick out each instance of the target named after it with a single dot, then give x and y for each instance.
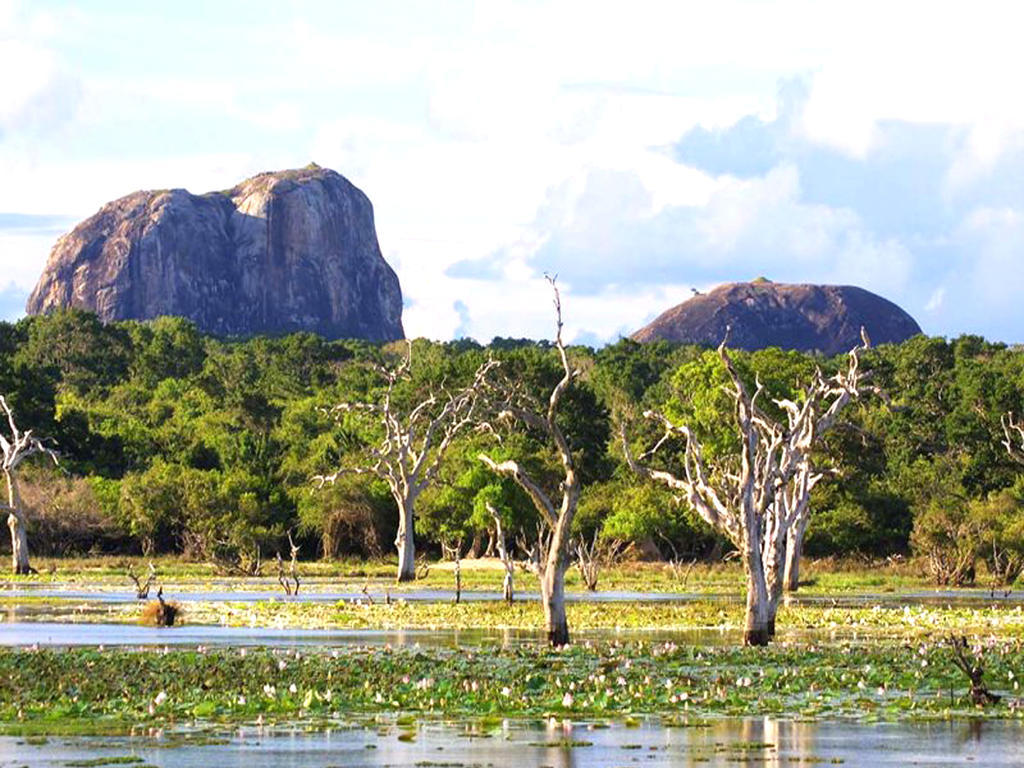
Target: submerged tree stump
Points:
(161, 613)
(980, 695)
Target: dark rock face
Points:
(809, 318)
(281, 252)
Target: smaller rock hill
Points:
(809, 318)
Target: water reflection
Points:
(556, 743)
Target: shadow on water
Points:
(560, 744)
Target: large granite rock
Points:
(810, 318)
(280, 252)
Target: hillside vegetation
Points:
(176, 442)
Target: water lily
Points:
(567, 700)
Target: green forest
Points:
(172, 442)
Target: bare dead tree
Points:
(590, 557)
(458, 576)
(142, 590)
(535, 551)
(973, 669)
(289, 582)
(413, 447)
(508, 583)
(453, 552)
(680, 567)
(18, 446)
(762, 504)
(557, 520)
(1013, 436)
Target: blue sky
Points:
(634, 149)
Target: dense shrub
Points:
(354, 515)
(66, 515)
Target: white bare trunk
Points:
(404, 542)
(16, 522)
(762, 605)
(507, 586)
(508, 590)
(794, 551)
(552, 594)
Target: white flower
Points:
(292, 688)
(160, 698)
(506, 691)
(270, 690)
(241, 701)
(567, 700)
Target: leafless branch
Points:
(1013, 436)
(142, 590)
(290, 582)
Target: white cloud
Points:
(37, 94)
(22, 258)
(531, 135)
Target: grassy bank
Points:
(820, 577)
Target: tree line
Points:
(174, 442)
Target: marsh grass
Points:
(830, 576)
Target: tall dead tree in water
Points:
(760, 500)
(557, 518)
(17, 446)
(508, 583)
(413, 447)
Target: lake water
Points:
(71, 616)
(760, 742)
(559, 744)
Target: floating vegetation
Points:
(623, 681)
(890, 620)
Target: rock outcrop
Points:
(281, 252)
(809, 318)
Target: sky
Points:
(637, 150)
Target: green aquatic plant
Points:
(892, 681)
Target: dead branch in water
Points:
(142, 590)
(289, 583)
(980, 695)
